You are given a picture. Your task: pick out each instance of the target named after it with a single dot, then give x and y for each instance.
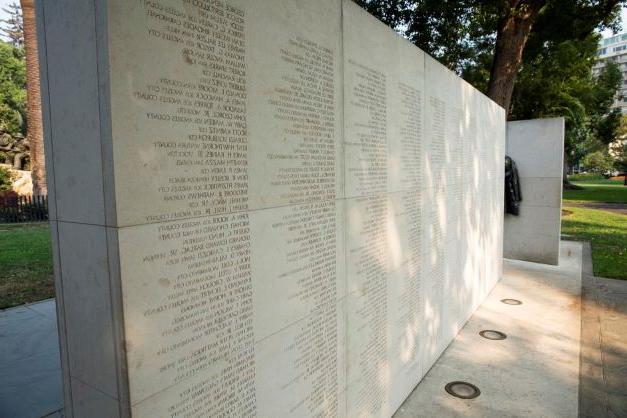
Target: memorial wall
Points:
(270, 208)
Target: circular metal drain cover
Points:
(511, 301)
(463, 390)
(491, 334)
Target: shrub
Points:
(6, 179)
(599, 162)
(585, 176)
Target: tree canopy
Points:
(558, 81)
(12, 90)
(13, 26)
(546, 72)
(14, 148)
(493, 36)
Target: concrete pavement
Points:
(532, 373)
(603, 389)
(30, 370)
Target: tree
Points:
(34, 125)
(12, 90)
(13, 26)
(517, 53)
(618, 149)
(467, 35)
(6, 179)
(599, 162)
(13, 146)
(620, 154)
(516, 19)
(558, 81)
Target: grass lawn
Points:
(608, 234)
(610, 191)
(25, 264)
(606, 231)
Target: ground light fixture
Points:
(491, 334)
(463, 390)
(511, 301)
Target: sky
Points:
(606, 33)
(3, 5)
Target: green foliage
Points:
(12, 90)
(555, 78)
(454, 32)
(6, 179)
(558, 81)
(462, 34)
(587, 177)
(606, 121)
(619, 147)
(598, 162)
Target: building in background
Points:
(614, 49)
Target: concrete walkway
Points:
(603, 389)
(30, 371)
(532, 373)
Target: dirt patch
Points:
(619, 208)
(566, 212)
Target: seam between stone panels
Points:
(345, 241)
(67, 391)
(187, 218)
(48, 154)
(100, 113)
(108, 395)
(104, 117)
(47, 107)
(104, 197)
(327, 306)
(336, 199)
(116, 327)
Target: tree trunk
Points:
(513, 31)
(18, 161)
(566, 184)
(566, 167)
(34, 125)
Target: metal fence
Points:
(24, 209)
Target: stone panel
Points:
(87, 305)
(231, 121)
(537, 147)
(206, 282)
(75, 165)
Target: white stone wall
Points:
(269, 208)
(537, 147)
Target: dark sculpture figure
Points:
(513, 197)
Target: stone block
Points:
(537, 148)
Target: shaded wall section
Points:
(537, 148)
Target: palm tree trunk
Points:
(34, 125)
